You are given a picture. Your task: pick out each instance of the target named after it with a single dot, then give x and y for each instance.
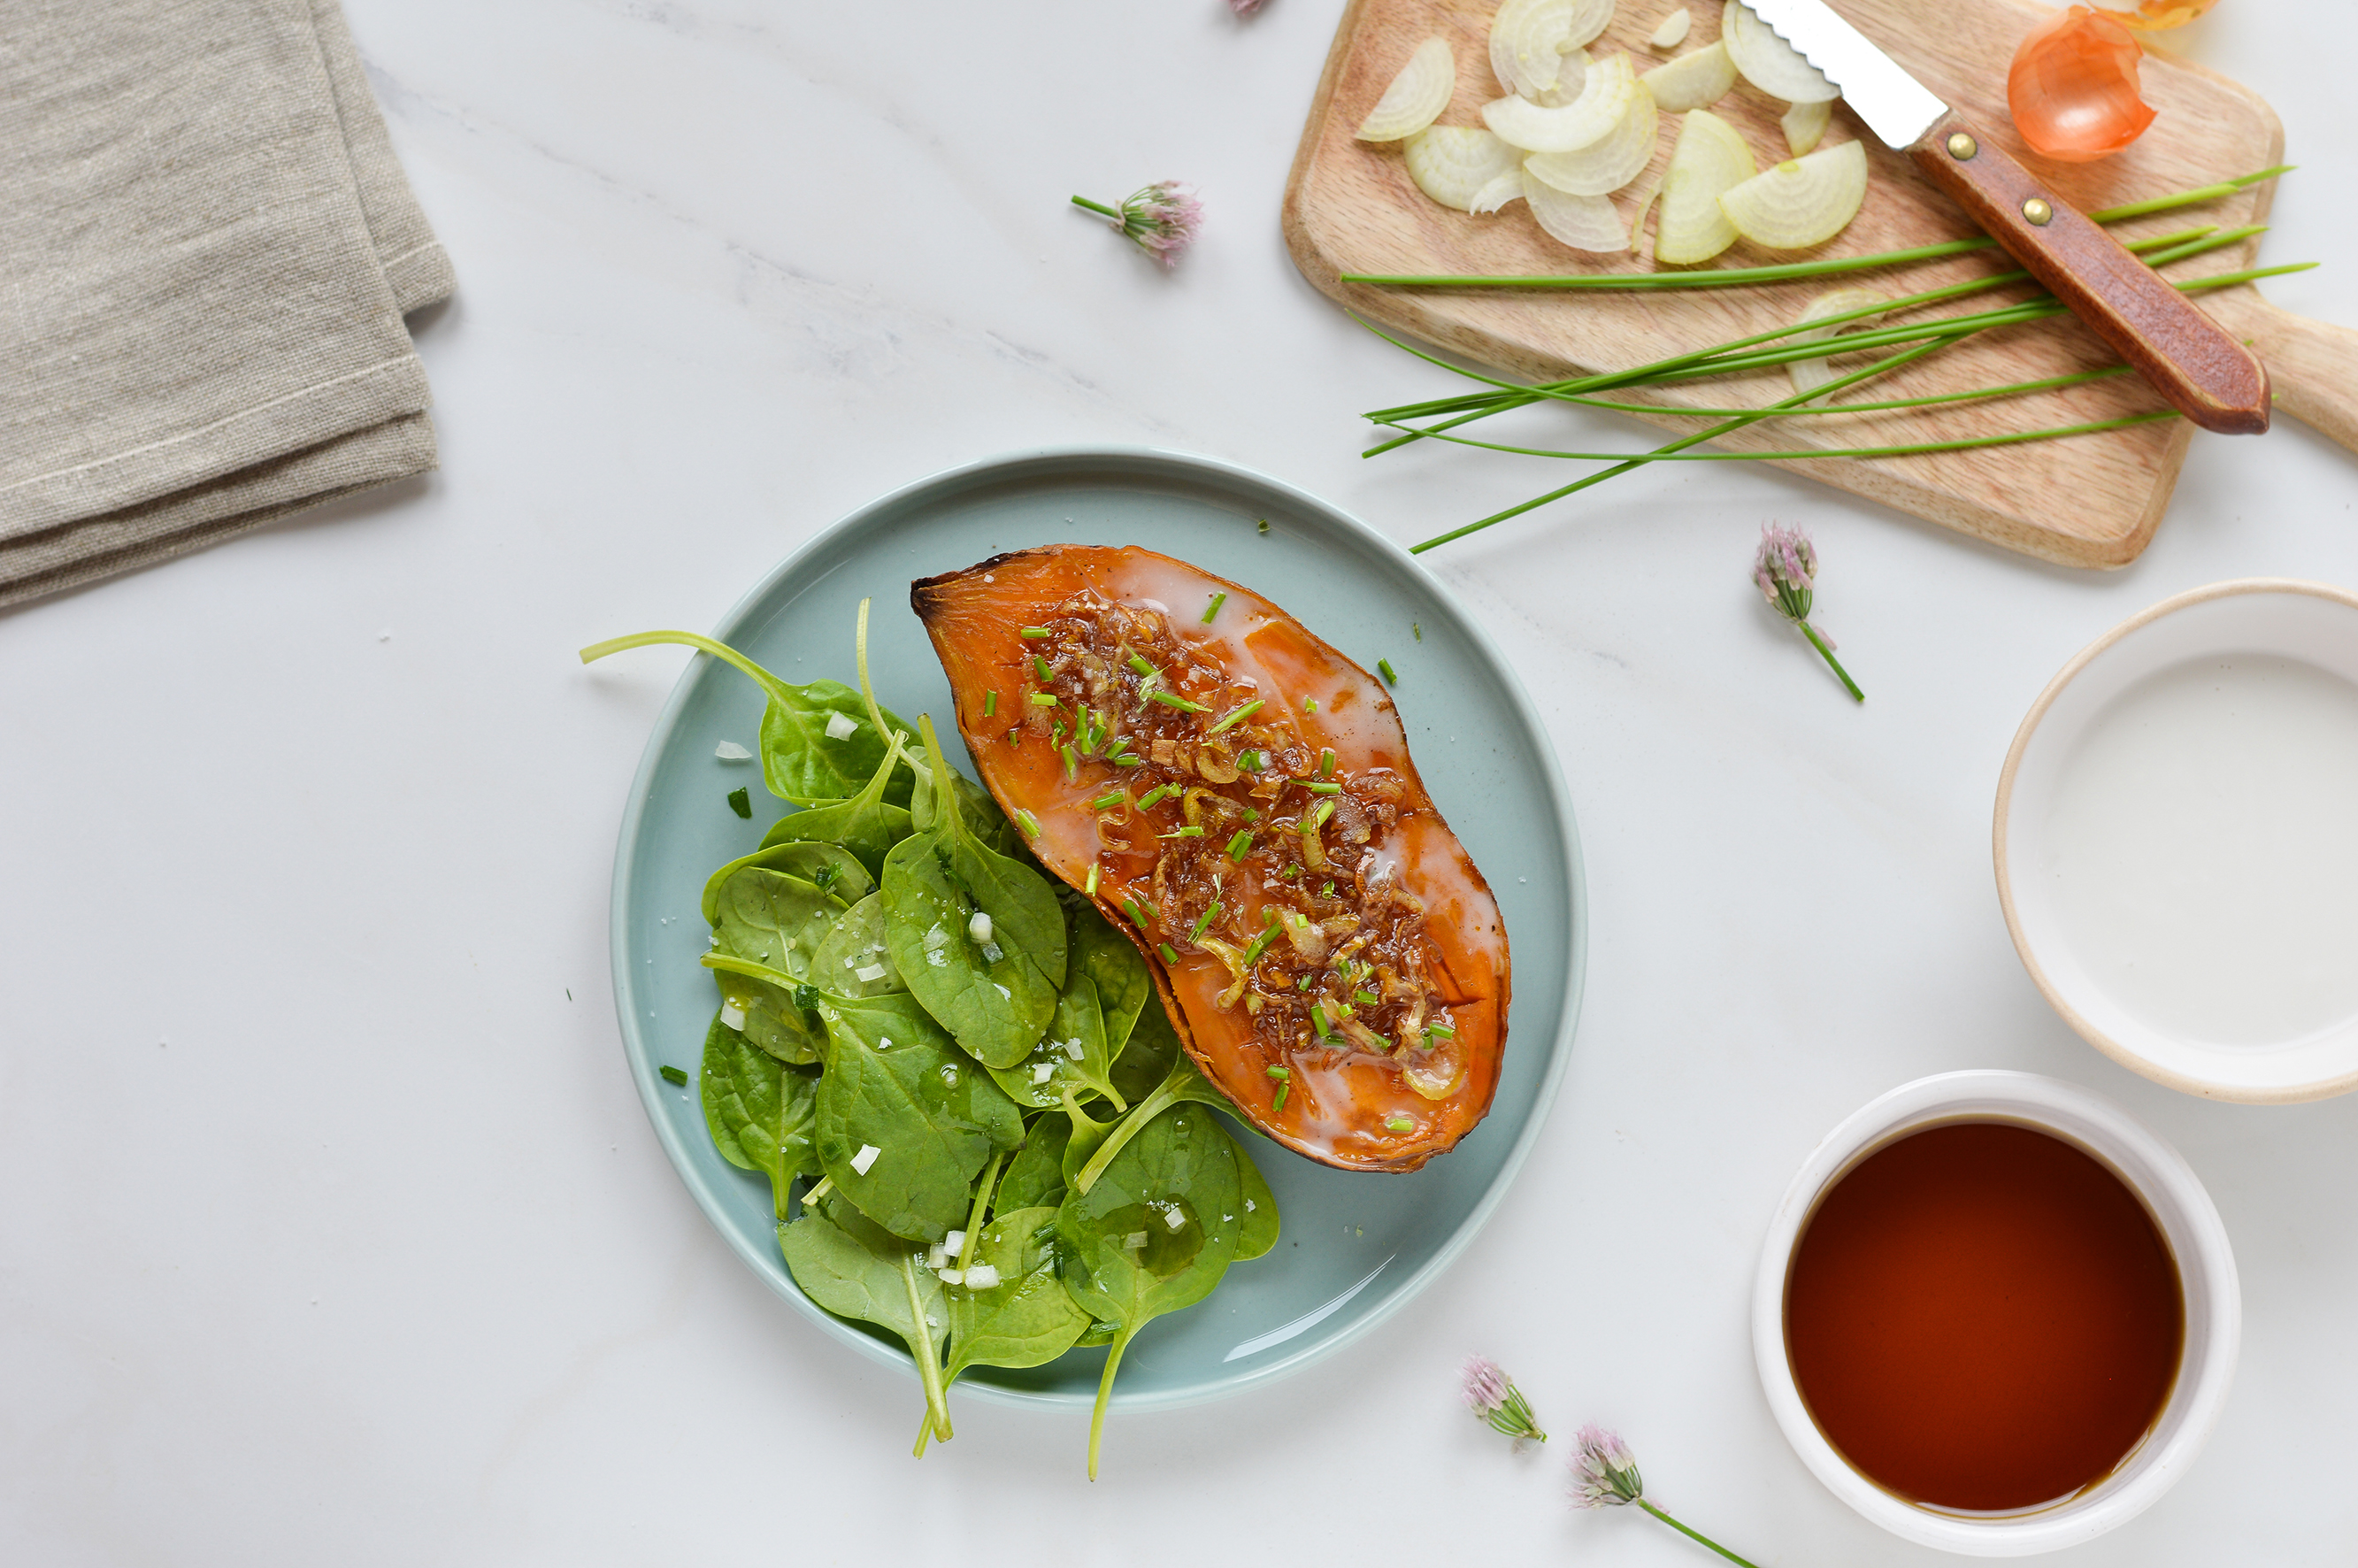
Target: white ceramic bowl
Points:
(2206, 1267)
(2308, 623)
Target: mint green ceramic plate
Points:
(1355, 1246)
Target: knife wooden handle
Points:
(2198, 369)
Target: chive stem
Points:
(1214, 607)
(1170, 699)
(1827, 654)
(1239, 716)
(1241, 845)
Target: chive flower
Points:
(1492, 1396)
(1161, 218)
(1785, 569)
(1605, 1475)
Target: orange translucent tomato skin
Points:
(2073, 88)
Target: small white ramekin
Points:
(2180, 1205)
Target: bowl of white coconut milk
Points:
(2177, 841)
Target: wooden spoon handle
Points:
(2313, 365)
(2198, 369)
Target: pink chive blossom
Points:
(1604, 1471)
(1161, 218)
(1491, 1395)
(1785, 569)
(1244, 7)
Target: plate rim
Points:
(1104, 458)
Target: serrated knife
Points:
(2189, 359)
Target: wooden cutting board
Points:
(2088, 500)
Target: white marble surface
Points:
(333, 1231)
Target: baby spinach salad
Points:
(979, 1131)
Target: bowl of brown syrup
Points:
(1997, 1313)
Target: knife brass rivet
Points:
(2038, 211)
(1961, 147)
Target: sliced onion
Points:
(1768, 61)
(1508, 187)
(1570, 82)
(1805, 123)
(1696, 79)
(1529, 39)
(1645, 205)
(1609, 163)
(1673, 30)
(1603, 101)
(1439, 1074)
(1453, 162)
(1583, 222)
(1417, 95)
(1709, 159)
(1802, 202)
(1810, 375)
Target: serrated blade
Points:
(1895, 105)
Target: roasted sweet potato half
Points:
(1238, 797)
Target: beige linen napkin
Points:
(206, 250)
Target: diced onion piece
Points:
(865, 1158)
(1673, 30)
(1805, 124)
(1583, 222)
(937, 1256)
(1590, 118)
(1802, 202)
(1453, 162)
(1810, 375)
(1768, 61)
(841, 727)
(1174, 1218)
(730, 751)
(1529, 39)
(1570, 82)
(953, 1243)
(1696, 79)
(1609, 163)
(982, 1277)
(1134, 1242)
(1042, 1072)
(1417, 95)
(1508, 187)
(952, 1276)
(978, 926)
(732, 1012)
(869, 974)
(1710, 159)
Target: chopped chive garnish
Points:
(1187, 832)
(1108, 801)
(1251, 814)
(1318, 1021)
(1039, 668)
(1239, 846)
(1239, 716)
(1056, 733)
(672, 1075)
(1442, 1027)
(1280, 1074)
(1042, 700)
(1072, 764)
(1015, 734)
(1316, 820)
(1384, 667)
(1138, 662)
(1150, 683)
(1169, 700)
(1278, 1103)
(1137, 916)
(1257, 945)
(1400, 1124)
(989, 703)
(740, 803)
(1204, 922)
(1326, 762)
(1264, 524)
(1092, 889)
(1302, 984)
(1035, 633)
(1292, 871)
(1029, 823)
(1169, 955)
(1367, 999)
(1150, 796)
(1326, 891)
(1217, 601)
(1317, 786)
(1418, 630)
(1130, 760)
(1252, 761)
(1308, 704)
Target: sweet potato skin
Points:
(1345, 1106)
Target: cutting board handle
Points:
(2312, 365)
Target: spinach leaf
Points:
(867, 824)
(1028, 1317)
(1154, 1235)
(800, 761)
(826, 867)
(1114, 967)
(1257, 1223)
(1084, 1136)
(1072, 1052)
(895, 1082)
(1183, 1083)
(981, 812)
(856, 1270)
(1036, 1175)
(759, 1114)
(776, 921)
(1145, 1059)
(848, 958)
